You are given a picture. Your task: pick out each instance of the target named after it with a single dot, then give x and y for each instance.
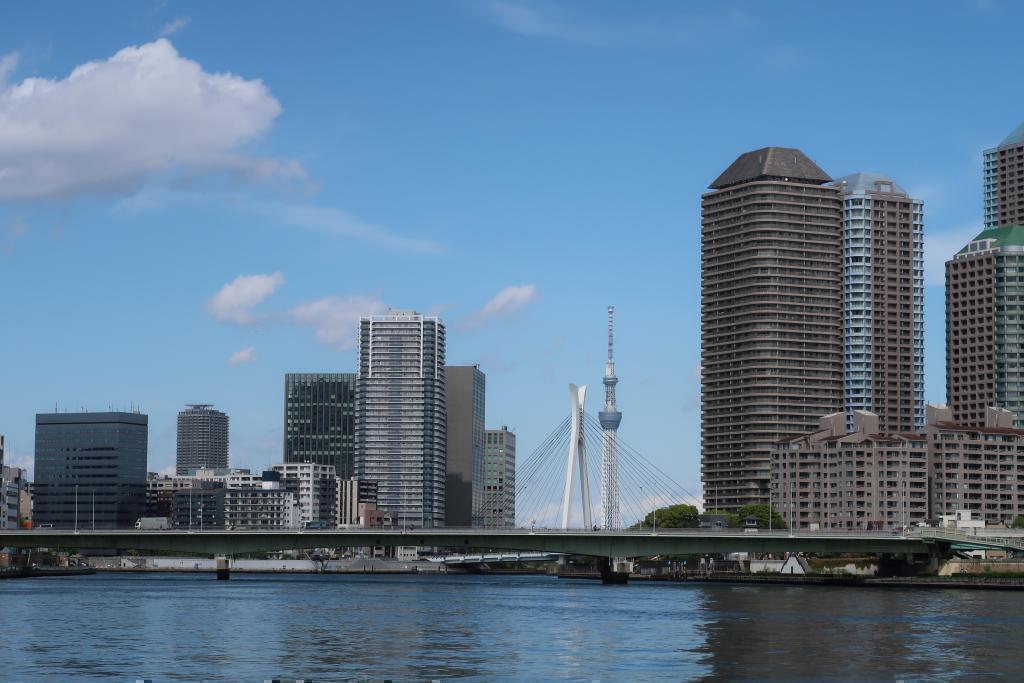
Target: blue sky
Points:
(221, 188)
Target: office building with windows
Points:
(315, 489)
(198, 507)
(202, 438)
(90, 469)
(499, 478)
(464, 485)
(319, 419)
(267, 506)
(401, 437)
(883, 302)
(771, 316)
(352, 500)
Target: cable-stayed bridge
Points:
(542, 480)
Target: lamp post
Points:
(76, 508)
(94, 509)
(642, 506)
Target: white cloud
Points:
(235, 300)
(113, 123)
(535, 23)
(245, 355)
(13, 458)
(7, 64)
(336, 222)
(505, 302)
(175, 25)
(939, 247)
(336, 319)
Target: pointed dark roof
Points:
(772, 162)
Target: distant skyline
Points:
(198, 198)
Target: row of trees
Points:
(684, 516)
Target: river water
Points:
(190, 627)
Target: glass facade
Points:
(464, 487)
(90, 469)
(319, 419)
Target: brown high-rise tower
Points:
(771, 317)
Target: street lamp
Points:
(642, 515)
(76, 508)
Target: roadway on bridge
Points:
(631, 543)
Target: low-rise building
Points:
(831, 479)
(200, 507)
(12, 483)
(230, 477)
(315, 488)
(980, 469)
(352, 497)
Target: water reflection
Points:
(190, 627)
(819, 633)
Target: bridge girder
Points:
(597, 544)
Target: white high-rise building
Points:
(401, 431)
(883, 302)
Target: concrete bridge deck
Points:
(624, 543)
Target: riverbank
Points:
(36, 572)
(959, 582)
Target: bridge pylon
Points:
(576, 457)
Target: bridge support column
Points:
(223, 567)
(614, 570)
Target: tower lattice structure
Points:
(610, 418)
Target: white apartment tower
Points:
(400, 434)
(883, 302)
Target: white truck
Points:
(153, 523)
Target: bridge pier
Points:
(613, 571)
(223, 567)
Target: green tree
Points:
(761, 513)
(680, 516)
(1018, 522)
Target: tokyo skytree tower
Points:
(610, 418)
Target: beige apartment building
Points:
(831, 479)
(771, 317)
(863, 479)
(980, 469)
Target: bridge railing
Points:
(958, 536)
